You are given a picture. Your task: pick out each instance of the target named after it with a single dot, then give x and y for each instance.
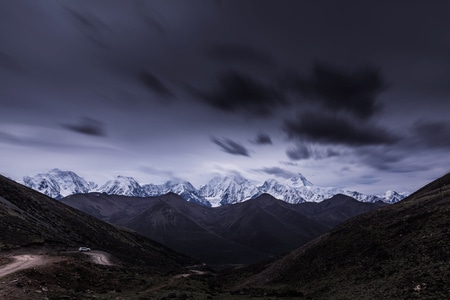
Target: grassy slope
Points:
(400, 251)
(30, 218)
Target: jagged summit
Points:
(393, 196)
(58, 184)
(185, 189)
(228, 190)
(220, 190)
(122, 185)
(298, 180)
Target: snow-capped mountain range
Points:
(58, 184)
(217, 192)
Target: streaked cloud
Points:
(230, 146)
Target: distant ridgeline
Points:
(217, 192)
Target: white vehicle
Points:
(84, 249)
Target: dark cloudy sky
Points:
(350, 93)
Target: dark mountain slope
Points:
(242, 233)
(170, 220)
(103, 206)
(337, 209)
(246, 232)
(30, 218)
(266, 224)
(399, 251)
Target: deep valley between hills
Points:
(165, 247)
(242, 233)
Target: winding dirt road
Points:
(27, 261)
(23, 262)
(99, 258)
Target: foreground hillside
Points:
(29, 218)
(241, 233)
(397, 252)
(39, 238)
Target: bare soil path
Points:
(174, 278)
(23, 262)
(99, 258)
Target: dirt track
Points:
(23, 262)
(27, 261)
(99, 258)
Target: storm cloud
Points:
(389, 159)
(90, 25)
(262, 139)
(353, 91)
(277, 171)
(239, 93)
(434, 134)
(87, 126)
(302, 152)
(154, 84)
(239, 54)
(230, 146)
(8, 62)
(333, 129)
(298, 152)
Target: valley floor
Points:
(27, 274)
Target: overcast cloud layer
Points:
(353, 94)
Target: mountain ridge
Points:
(397, 252)
(216, 192)
(246, 232)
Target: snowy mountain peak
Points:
(58, 184)
(218, 191)
(392, 197)
(225, 181)
(44, 184)
(125, 178)
(227, 190)
(152, 189)
(178, 185)
(288, 192)
(270, 183)
(58, 171)
(298, 180)
(122, 185)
